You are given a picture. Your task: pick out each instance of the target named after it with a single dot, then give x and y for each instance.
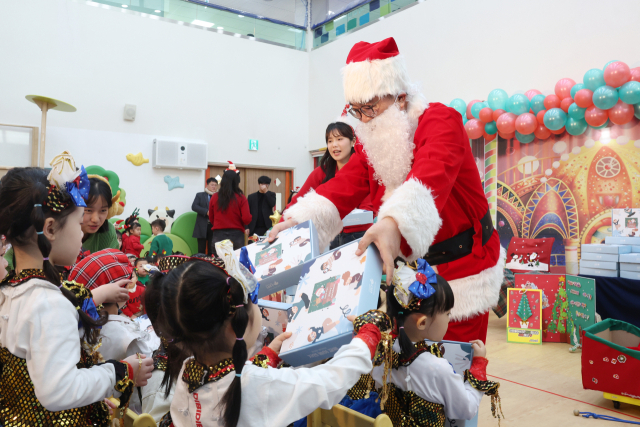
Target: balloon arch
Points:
(608, 95)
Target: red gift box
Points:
(609, 362)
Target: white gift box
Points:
(614, 248)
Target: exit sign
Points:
(253, 145)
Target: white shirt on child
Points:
(274, 397)
(433, 379)
(40, 325)
(122, 337)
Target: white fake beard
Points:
(388, 142)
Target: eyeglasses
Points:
(367, 110)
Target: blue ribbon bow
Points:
(244, 260)
(89, 307)
(424, 290)
(79, 188)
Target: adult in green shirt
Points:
(99, 233)
(161, 245)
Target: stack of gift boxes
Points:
(618, 257)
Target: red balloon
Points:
(508, 135)
(584, 98)
(565, 104)
(621, 113)
(486, 115)
(531, 93)
(563, 88)
(469, 105)
(635, 74)
(557, 132)
(506, 123)
(551, 101)
(540, 117)
(489, 137)
(542, 132)
(475, 128)
(616, 74)
(497, 114)
(526, 123)
(595, 116)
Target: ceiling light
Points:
(202, 23)
(157, 11)
(124, 5)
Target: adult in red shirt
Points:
(341, 143)
(229, 210)
(415, 161)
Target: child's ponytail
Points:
(239, 321)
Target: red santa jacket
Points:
(314, 181)
(441, 197)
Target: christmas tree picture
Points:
(560, 309)
(524, 311)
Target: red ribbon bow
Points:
(420, 277)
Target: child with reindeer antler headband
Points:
(416, 385)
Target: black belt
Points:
(460, 245)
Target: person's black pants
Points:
(260, 231)
(236, 236)
(344, 238)
(202, 243)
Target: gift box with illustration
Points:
(278, 265)
(616, 248)
(357, 217)
(611, 358)
(275, 316)
(624, 222)
(330, 288)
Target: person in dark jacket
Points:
(202, 229)
(261, 204)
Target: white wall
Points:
(466, 49)
(186, 83)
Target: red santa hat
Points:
(374, 69)
(232, 167)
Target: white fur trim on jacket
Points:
(321, 211)
(478, 293)
(411, 205)
(365, 80)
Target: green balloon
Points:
(491, 128)
(593, 79)
(630, 92)
(605, 97)
(459, 105)
(537, 103)
(554, 119)
(497, 99)
(576, 112)
(525, 139)
(518, 104)
(576, 87)
(576, 127)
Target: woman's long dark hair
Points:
(327, 163)
(441, 301)
(20, 190)
(99, 189)
(195, 302)
(229, 187)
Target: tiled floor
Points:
(556, 374)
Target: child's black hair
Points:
(440, 302)
(135, 225)
(161, 223)
(100, 189)
(135, 263)
(21, 189)
(193, 302)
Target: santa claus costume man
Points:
(415, 161)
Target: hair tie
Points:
(401, 312)
(39, 232)
(38, 205)
(77, 308)
(45, 259)
(238, 375)
(401, 327)
(61, 285)
(239, 339)
(241, 305)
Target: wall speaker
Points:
(130, 112)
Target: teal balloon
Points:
(537, 103)
(490, 128)
(464, 119)
(630, 92)
(555, 118)
(603, 126)
(576, 87)
(475, 109)
(525, 139)
(459, 105)
(593, 79)
(605, 97)
(607, 64)
(636, 111)
(575, 112)
(576, 127)
(518, 104)
(497, 99)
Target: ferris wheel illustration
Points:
(608, 167)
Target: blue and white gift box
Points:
(357, 217)
(609, 240)
(613, 248)
(331, 287)
(602, 265)
(629, 266)
(630, 258)
(598, 272)
(275, 316)
(635, 275)
(279, 264)
(597, 256)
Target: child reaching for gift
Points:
(422, 388)
(213, 315)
